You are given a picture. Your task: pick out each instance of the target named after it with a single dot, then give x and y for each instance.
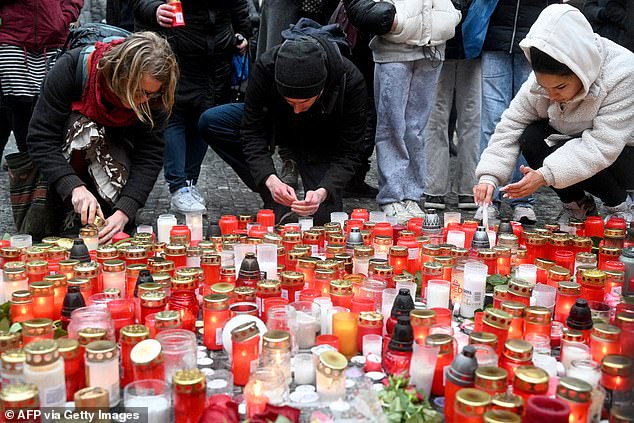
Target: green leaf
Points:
(4, 324)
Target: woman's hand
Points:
(86, 205)
(165, 15)
(282, 194)
(114, 224)
(310, 204)
(530, 183)
(483, 193)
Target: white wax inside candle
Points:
(473, 289)
(158, 408)
(164, 226)
(304, 371)
(305, 335)
(571, 353)
(114, 280)
(437, 295)
(456, 238)
(372, 344)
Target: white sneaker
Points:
(524, 213)
(184, 202)
(413, 208)
(492, 212)
(623, 210)
(397, 210)
(195, 193)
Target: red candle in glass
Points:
(131, 276)
(21, 306)
(536, 247)
(229, 223)
(151, 302)
(36, 270)
(445, 344)
(74, 368)
(604, 340)
(122, 313)
(129, 336)
(582, 244)
(593, 285)
(147, 360)
(503, 259)
(431, 270)
(558, 274)
(515, 309)
(537, 320)
(189, 395)
(290, 240)
(566, 259)
(606, 254)
(443, 315)
(541, 408)
(359, 304)
(578, 395)
(291, 284)
(500, 293)
(266, 217)
(267, 303)
(413, 252)
(492, 380)
(43, 300)
(309, 295)
(267, 288)
(567, 295)
(470, 406)
(245, 341)
(488, 256)
(134, 254)
(210, 263)
(215, 315)
(520, 291)
(176, 253)
(228, 276)
(331, 340)
(497, 322)
(306, 266)
(594, 226)
(516, 353)
(59, 291)
(616, 375)
(36, 330)
(90, 271)
(341, 293)
(421, 321)
(369, 322)
(558, 242)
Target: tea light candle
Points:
(438, 293)
(195, 223)
(304, 369)
(528, 273)
(164, 224)
(372, 344)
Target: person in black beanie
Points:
(305, 96)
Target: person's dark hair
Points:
(543, 63)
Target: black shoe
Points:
(435, 202)
(289, 174)
(466, 202)
(360, 190)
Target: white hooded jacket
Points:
(599, 121)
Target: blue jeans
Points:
(502, 76)
(185, 150)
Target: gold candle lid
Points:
(508, 401)
(88, 269)
(605, 332)
(492, 378)
(167, 319)
(190, 381)
(514, 308)
(537, 315)
(518, 350)
(558, 273)
(15, 393)
(245, 332)
(610, 251)
(133, 252)
(614, 233)
(332, 362)
(82, 283)
(496, 318)
(210, 259)
(332, 249)
(58, 280)
(67, 265)
(483, 338)
(216, 302)
(311, 236)
(295, 255)
(56, 252)
(13, 359)
(307, 262)
(153, 299)
(383, 270)
(288, 277)
(501, 416)
(531, 379)
(500, 291)
(574, 390)
(582, 242)
(398, 251)
(430, 250)
(486, 253)
(134, 333)
(68, 348)
(92, 397)
(615, 276)
(277, 340)
(432, 268)
(572, 335)
(560, 240)
(500, 251)
(272, 238)
(37, 327)
(244, 293)
(87, 335)
(507, 240)
(100, 351)
(624, 318)
(520, 288)
(340, 287)
(307, 249)
(36, 266)
(112, 293)
(521, 253)
(114, 266)
(223, 288)
(622, 414)
(292, 236)
(107, 252)
(326, 264)
(364, 251)
(41, 353)
(370, 319)
(188, 283)
(9, 252)
(586, 258)
(41, 289)
(21, 296)
(472, 402)
(616, 365)
(594, 277)
(535, 239)
(9, 340)
(175, 250)
(441, 340)
(422, 317)
(268, 286)
(544, 264)
(568, 288)
(14, 272)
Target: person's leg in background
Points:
(176, 147)
(21, 111)
(196, 148)
(437, 138)
(468, 93)
(5, 132)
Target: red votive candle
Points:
(541, 408)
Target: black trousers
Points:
(220, 128)
(21, 110)
(610, 184)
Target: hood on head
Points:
(562, 32)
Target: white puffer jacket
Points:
(599, 121)
(424, 22)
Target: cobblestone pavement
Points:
(226, 194)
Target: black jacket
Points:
(454, 48)
(510, 23)
(141, 144)
(602, 23)
(119, 13)
(203, 47)
(330, 131)
(370, 17)
(622, 12)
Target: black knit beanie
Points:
(300, 68)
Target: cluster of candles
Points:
(298, 305)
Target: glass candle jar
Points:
(245, 340)
(422, 321)
(131, 275)
(607, 253)
(130, 336)
(67, 268)
(345, 327)
(21, 306)
(573, 350)
(614, 237)
(516, 353)
(578, 395)
(148, 360)
(369, 322)
(43, 300)
(432, 270)
(520, 290)
(189, 392)
(176, 253)
(515, 309)
(36, 270)
(543, 266)
(106, 252)
(445, 344)
(89, 270)
(529, 381)
(536, 247)
(483, 338)
(503, 260)
(331, 380)
(306, 266)
(74, 366)
(498, 323)
(267, 288)
(166, 320)
(492, 380)
(276, 351)
(215, 315)
(593, 285)
(14, 279)
(151, 302)
(59, 291)
(13, 366)
(616, 378)
(113, 274)
(361, 260)
(500, 294)
(210, 263)
(565, 259)
(397, 258)
(604, 340)
(291, 284)
(44, 369)
(537, 320)
(36, 330)
(470, 405)
(567, 295)
(23, 397)
(558, 274)
(102, 368)
(341, 292)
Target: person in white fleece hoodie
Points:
(573, 120)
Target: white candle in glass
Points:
(324, 304)
(304, 369)
(473, 288)
(158, 407)
(114, 280)
(422, 367)
(437, 293)
(21, 241)
(267, 259)
(492, 238)
(339, 217)
(164, 225)
(144, 229)
(372, 343)
(305, 335)
(9, 287)
(456, 238)
(195, 223)
(573, 351)
(410, 286)
(527, 272)
(451, 217)
(544, 295)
